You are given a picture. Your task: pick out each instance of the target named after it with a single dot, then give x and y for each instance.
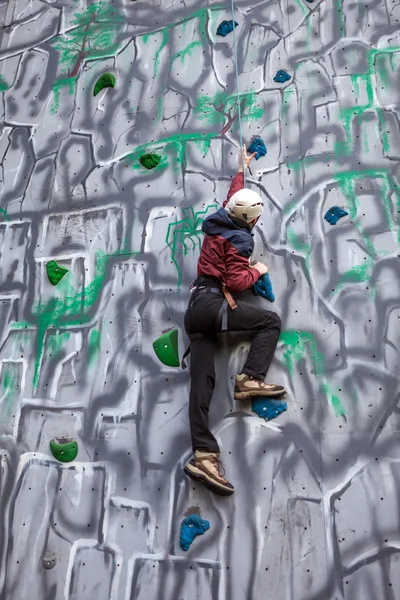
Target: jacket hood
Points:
(236, 231)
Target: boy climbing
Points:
(224, 267)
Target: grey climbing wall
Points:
(316, 511)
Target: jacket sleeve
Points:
(239, 274)
(236, 185)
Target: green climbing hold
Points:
(105, 81)
(54, 272)
(150, 161)
(166, 348)
(65, 450)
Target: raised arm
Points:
(237, 182)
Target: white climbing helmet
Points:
(246, 205)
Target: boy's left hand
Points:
(245, 158)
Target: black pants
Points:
(202, 316)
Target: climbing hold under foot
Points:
(334, 214)
(150, 161)
(64, 450)
(54, 272)
(105, 81)
(191, 527)
(257, 145)
(282, 76)
(268, 409)
(166, 348)
(226, 27)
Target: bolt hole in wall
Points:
(109, 459)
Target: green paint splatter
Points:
(67, 309)
(383, 131)
(188, 51)
(368, 79)
(164, 42)
(91, 36)
(186, 230)
(94, 345)
(203, 145)
(286, 93)
(303, 8)
(305, 11)
(68, 82)
(347, 182)
(299, 245)
(56, 340)
(295, 345)
(334, 400)
(357, 274)
(339, 9)
(3, 84)
(345, 147)
(222, 109)
(382, 69)
(9, 380)
(201, 15)
(176, 143)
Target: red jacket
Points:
(227, 246)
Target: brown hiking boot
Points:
(246, 386)
(206, 467)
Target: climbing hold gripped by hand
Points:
(257, 145)
(263, 287)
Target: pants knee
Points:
(276, 321)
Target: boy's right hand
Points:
(261, 268)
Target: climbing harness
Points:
(237, 89)
(198, 288)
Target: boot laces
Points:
(219, 465)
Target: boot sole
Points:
(201, 477)
(252, 394)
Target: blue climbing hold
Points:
(281, 76)
(334, 214)
(263, 287)
(191, 527)
(257, 145)
(267, 409)
(226, 27)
